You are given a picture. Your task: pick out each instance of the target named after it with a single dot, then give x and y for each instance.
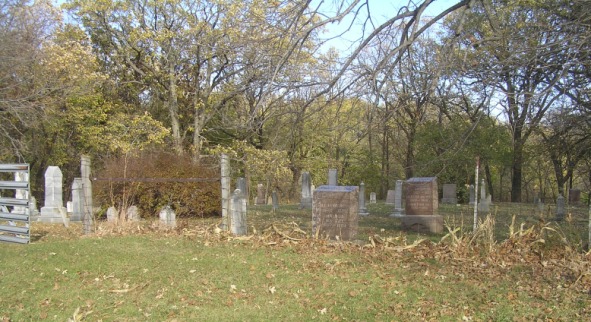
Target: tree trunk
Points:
(173, 110)
(517, 167)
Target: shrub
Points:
(152, 180)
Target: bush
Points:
(153, 180)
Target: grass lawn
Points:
(139, 273)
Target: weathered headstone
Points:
(77, 200)
(472, 195)
(86, 194)
(306, 201)
(422, 203)
(362, 208)
(133, 213)
(335, 212)
(33, 207)
(390, 196)
(275, 200)
(238, 221)
(241, 184)
(560, 208)
(449, 194)
(373, 197)
(112, 214)
(574, 196)
(332, 177)
(398, 210)
(20, 193)
(53, 211)
(484, 202)
(167, 217)
(260, 200)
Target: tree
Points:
(514, 47)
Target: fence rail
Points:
(158, 179)
(15, 224)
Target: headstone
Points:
(398, 210)
(238, 222)
(77, 201)
(362, 208)
(373, 197)
(332, 177)
(335, 212)
(472, 195)
(306, 201)
(112, 214)
(390, 196)
(574, 196)
(422, 203)
(69, 208)
(484, 202)
(449, 194)
(241, 184)
(275, 200)
(133, 213)
(260, 200)
(53, 211)
(167, 217)
(87, 209)
(33, 207)
(20, 193)
(560, 208)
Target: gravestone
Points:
(86, 194)
(373, 198)
(238, 220)
(422, 203)
(362, 208)
(390, 196)
(53, 211)
(449, 194)
(77, 201)
(560, 208)
(398, 210)
(112, 214)
(33, 207)
(260, 199)
(133, 213)
(167, 217)
(275, 200)
(472, 195)
(332, 177)
(306, 201)
(241, 184)
(574, 196)
(484, 202)
(21, 193)
(335, 212)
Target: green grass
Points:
(196, 275)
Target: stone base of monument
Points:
(423, 224)
(449, 201)
(398, 213)
(53, 215)
(306, 203)
(76, 217)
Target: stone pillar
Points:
(225, 183)
(398, 210)
(484, 203)
(87, 206)
(362, 208)
(53, 211)
(77, 201)
(238, 223)
(332, 177)
(241, 184)
(472, 195)
(306, 201)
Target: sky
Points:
(380, 11)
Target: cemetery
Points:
(295, 160)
